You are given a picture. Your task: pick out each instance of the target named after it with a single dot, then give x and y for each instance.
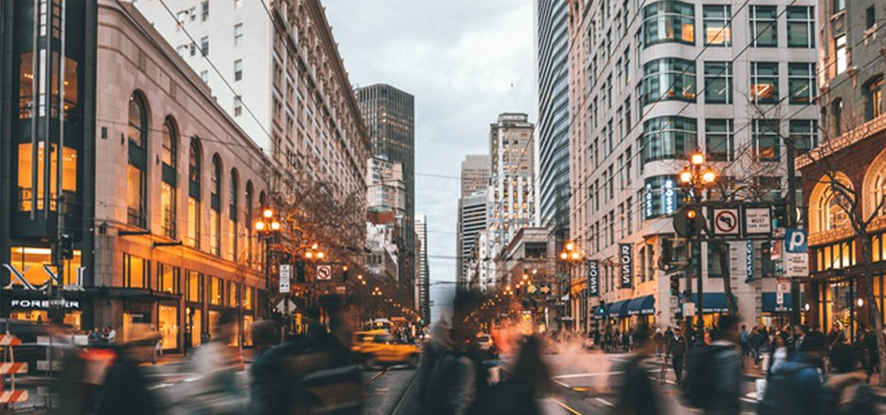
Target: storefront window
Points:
(25, 195)
(29, 262)
(195, 287)
(668, 79)
(248, 297)
(216, 291)
(135, 272)
(167, 323)
(168, 279)
(196, 327)
(233, 298)
(835, 256)
(247, 330)
(669, 21)
(213, 323)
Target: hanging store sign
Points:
(593, 278)
(626, 258)
(749, 257)
(51, 279)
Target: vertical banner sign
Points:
(749, 256)
(626, 258)
(285, 275)
(593, 278)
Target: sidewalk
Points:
(752, 373)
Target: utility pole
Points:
(792, 223)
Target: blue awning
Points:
(713, 302)
(618, 309)
(770, 305)
(642, 305)
(600, 312)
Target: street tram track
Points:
(402, 400)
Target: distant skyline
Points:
(472, 63)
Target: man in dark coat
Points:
(126, 389)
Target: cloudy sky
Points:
(465, 61)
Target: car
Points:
(384, 349)
(484, 341)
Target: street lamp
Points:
(695, 179)
(267, 227)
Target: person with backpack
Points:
(528, 380)
(846, 391)
(678, 347)
(637, 393)
(795, 387)
(713, 382)
(452, 383)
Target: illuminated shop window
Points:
(30, 262)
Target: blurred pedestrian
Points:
(439, 344)
(528, 381)
(870, 344)
(745, 337)
(217, 392)
(125, 390)
(835, 337)
(678, 347)
(111, 336)
(637, 393)
(452, 383)
(267, 389)
(779, 354)
(795, 387)
(659, 341)
(756, 342)
(846, 390)
(714, 381)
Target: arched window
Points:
(136, 172)
(195, 166)
(168, 183)
(233, 214)
(215, 207)
(248, 203)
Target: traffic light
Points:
(67, 246)
(300, 272)
(692, 222)
(675, 285)
(780, 214)
(344, 273)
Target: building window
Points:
(804, 135)
(135, 272)
(718, 82)
(31, 260)
(717, 25)
(233, 215)
(764, 82)
(26, 195)
(204, 15)
(233, 294)
(668, 21)
(215, 207)
(840, 53)
(195, 287)
(247, 200)
(168, 183)
(238, 106)
(801, 27)
(216, 291)
(668, 79)
(238, 34)
(839, 6)
(168, 279)
(204, 45)
(766, 140)
(195, 165)
(873, 98)
(661, 196)
(801, 82)
(668, 138)
(719, 141)
(238, 70)
(182, 50)
(764, 26)
(136, 177)
(870, 17)
(837, 113)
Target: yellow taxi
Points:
(383, 348)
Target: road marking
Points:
(561, 384)
(566, 407)
(586, 375)
(604, 401)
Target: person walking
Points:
(846, 392)
(870, 344)
(714, 380)
(519, 394)
(795, 387)
(756, 342)
(745, 336)
(216, 392)
(637, 393)
(125, 390)
(678, 347)
(267, 389)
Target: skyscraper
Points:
(512, 184)
(552, 70)
(475, 173)
(389, 114)
(472, 219)
(423, 274)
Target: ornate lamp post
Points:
(267, 227)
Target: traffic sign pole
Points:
(792, 224)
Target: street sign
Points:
(282, 306)
(689, 309)
(782, 287)
(531, 289)
(285, 276)
(796, 253)
(341, 289)
(725, 222)
(545, 289)
(758, 220)
(593, 278)
(626, 258)
(324, 272)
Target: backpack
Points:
(699, 387)
(778, 398)
(442, 384)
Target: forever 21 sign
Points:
(626, 258)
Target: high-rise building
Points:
(473, 218)
(275, 68)
(552, 71)
(512, 184)
(475, 173)
(423, 273)
(385, 187)
(389, 114)
(655, 82)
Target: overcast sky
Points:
(465, 61)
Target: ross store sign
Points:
(749, 257)
(51, 277)
(593, 278)
(45, 304)
(670, 197)
(626, 258)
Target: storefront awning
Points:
(713, 302)
(770, 305)
(618, 309)
(642, 305)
